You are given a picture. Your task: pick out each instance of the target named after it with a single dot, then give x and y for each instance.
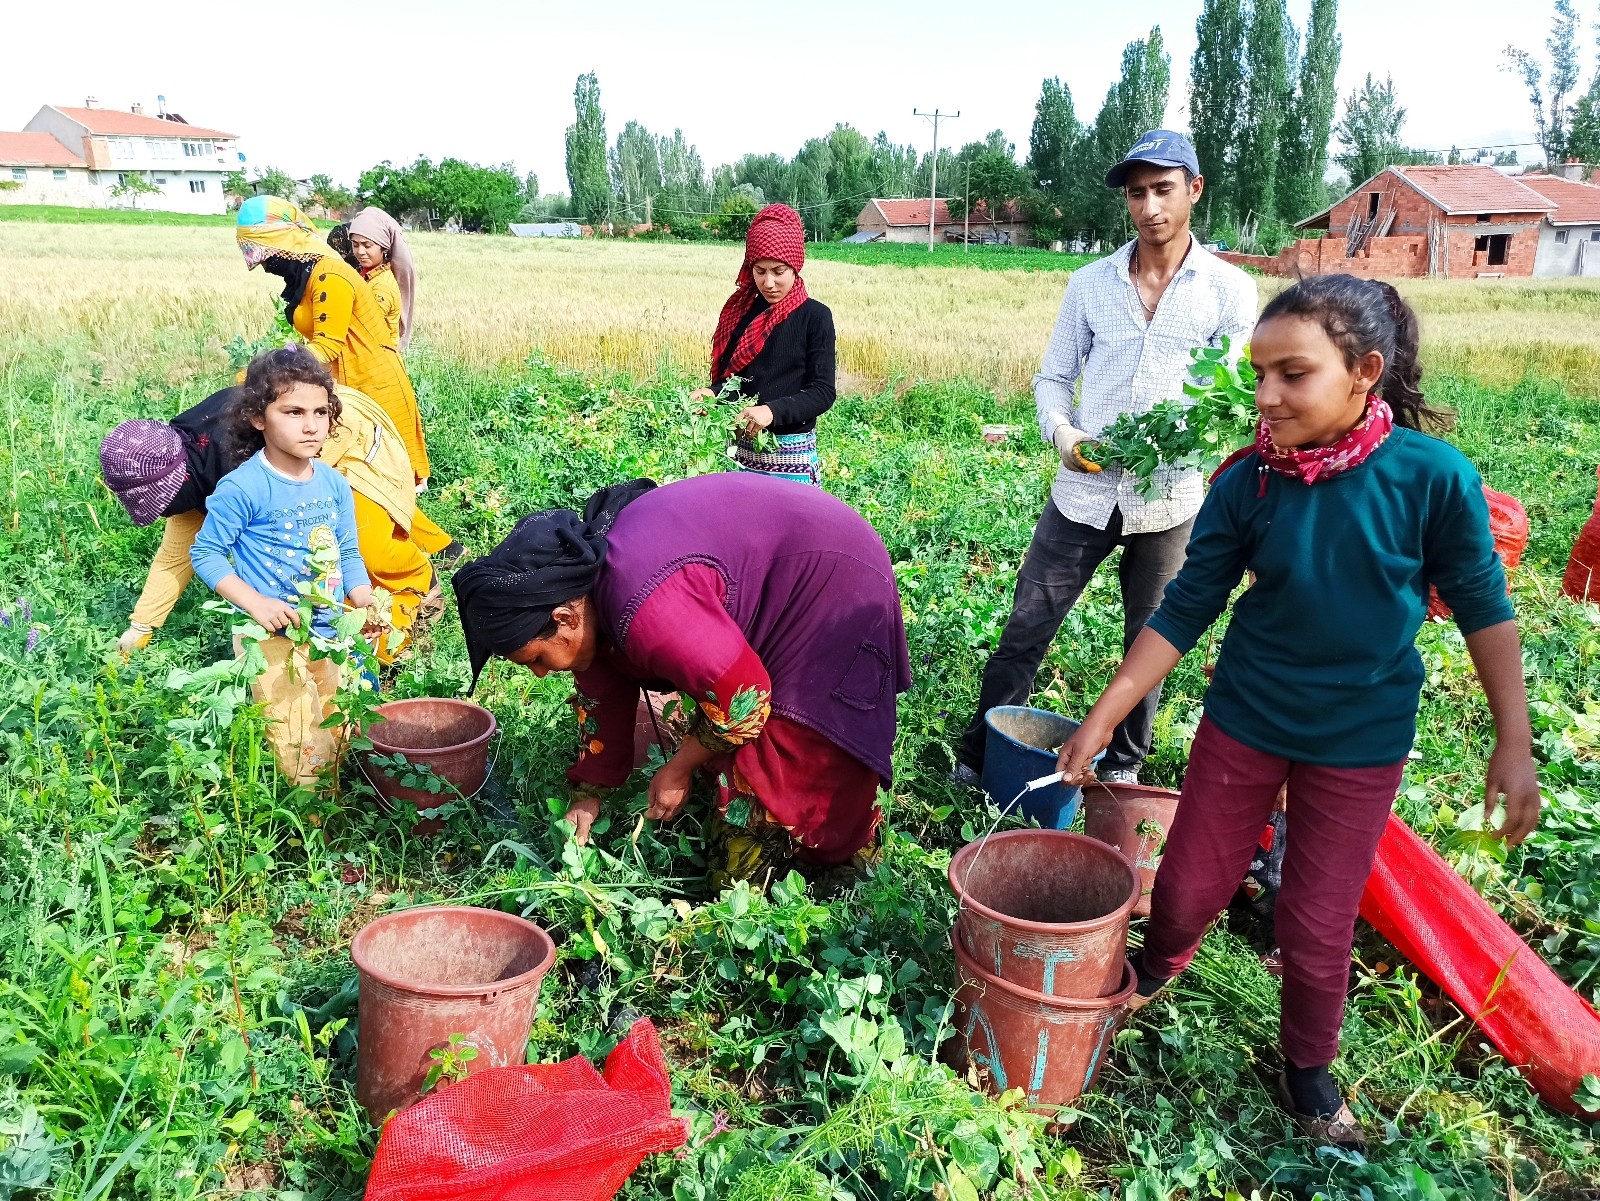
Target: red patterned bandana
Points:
(1321, 462)
(775, 233)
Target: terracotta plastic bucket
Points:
(1134, 819)
(1051, 1047)
(1046, 910)
(438, 970)
(449, 736)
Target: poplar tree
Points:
(1216, 104)
(1268, 70)
(1055, 131)
(1135, 104)
(587, 174)
(1304, 161)
(1549, 92)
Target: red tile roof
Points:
(1470, 188)
(1579, 203)
(912, 212)
(118, 123)
(35, 150)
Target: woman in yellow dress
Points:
(336, 314)
(384, 260)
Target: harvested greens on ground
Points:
(1218, 417)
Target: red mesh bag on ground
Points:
(1582, 580)
(541, 1132)
(1436, 920)
(1508, 522)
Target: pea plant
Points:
(1217, 415)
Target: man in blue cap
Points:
(1125, 329)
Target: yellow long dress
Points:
(386, 290)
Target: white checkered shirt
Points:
(1126, 367)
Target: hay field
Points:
(137, 294)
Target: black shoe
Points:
(963, 776)
(450, 555)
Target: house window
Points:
(161, 179)
(59, 174)
(1496, 246)
(1594, 235)
(199, 149)
(161, 147)
(1483, 218)
(1372, 204)
(120, 148)
(1561, 237)
(197, 185)
(19, 174)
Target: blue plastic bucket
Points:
(1022, 746)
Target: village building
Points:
(1569, 243)
(76, 156)
(1463, 221)
(907, 221)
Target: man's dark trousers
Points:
(1062, 557)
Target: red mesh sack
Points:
(1508, 522)
(539, 1132)
(1582, 580)
(1436, 920)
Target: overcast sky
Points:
(337, 87)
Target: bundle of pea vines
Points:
(1218, 416)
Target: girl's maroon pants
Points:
(1334, 819)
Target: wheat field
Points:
(144, 298)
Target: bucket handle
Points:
(488, 772)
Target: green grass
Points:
(60, 214)
(917, 254)
(176, 1013)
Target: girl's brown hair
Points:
(268, 377)
(1361, 316)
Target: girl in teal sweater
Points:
(1346, 513)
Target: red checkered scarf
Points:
(775, 233)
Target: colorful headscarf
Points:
(339, 239)
(377, 226)
(144, 466)
(271, 225)
(776, 232)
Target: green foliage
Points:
(1370, 131)
(477, 199)
(177, 1005)
(1550, 87)
(1270, 55)
(587, 177)
(274, 181)
(449, 1063)
(1216, 107)
(916, 254)
(1304, 160)
(1217, 416)
(132, 185)
(1135, 104)
(331, 196)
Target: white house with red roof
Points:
(76, 156)
(907, 221)
(1569, 243)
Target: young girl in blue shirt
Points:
(1345, 513)
(279, 519)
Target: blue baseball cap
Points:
(1159, 148)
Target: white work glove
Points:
(135, 638)
(1067, 439)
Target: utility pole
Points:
(933, 187)
(966, 215)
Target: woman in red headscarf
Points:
(778, 343)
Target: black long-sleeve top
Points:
(793, 374)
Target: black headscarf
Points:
(294, 273)
(339, 239)
(550, 558)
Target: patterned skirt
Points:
(788, 456)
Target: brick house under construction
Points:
(1457, 222)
